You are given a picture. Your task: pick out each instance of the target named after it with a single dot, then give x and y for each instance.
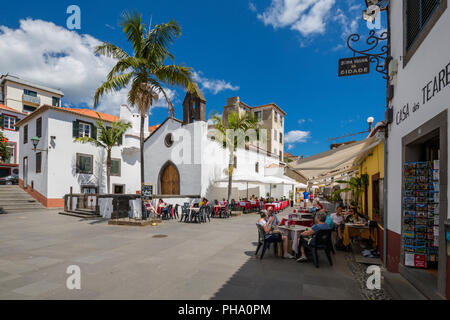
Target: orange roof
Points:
(93, 114)
(153, 128)
(84, 112)
(2, 106)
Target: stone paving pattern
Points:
(195, 261)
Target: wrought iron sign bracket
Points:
(381, 58)
(374, 42)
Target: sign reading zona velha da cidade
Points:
(353, 66)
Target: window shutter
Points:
(94, 131)
(120, 139)
(75, 129)
(15, 121)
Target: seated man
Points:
(306, 237)
(338, 219)
(268, 222)
(271, 214)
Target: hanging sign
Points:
(354, 66)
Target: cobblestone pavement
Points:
(195, 261)
(359, 270)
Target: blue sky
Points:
(282, 51)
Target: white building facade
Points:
(9, 118)
(418, 137)
(186, 159)
(59, 164)
(26, 96)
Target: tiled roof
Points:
(84, 112)
(2, 106)
(153, 128)
(93, 114)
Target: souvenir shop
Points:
(417, 234)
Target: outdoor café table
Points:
(245, 204)
(298, 222)
(355, 230)
(293, 232)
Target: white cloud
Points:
(290, 146)
(213, 85)
(305, 16)
(252, 7)
(42, 52)
(297, 136)
(348, 25)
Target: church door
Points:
(170, 180)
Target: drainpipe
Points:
(386, 153)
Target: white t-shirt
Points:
(262, 222)
(337, 219)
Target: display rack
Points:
(421, 213)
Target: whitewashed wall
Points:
(431, 57)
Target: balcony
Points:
(31, 99)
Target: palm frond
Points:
(111, 50)
(114, 84)
(174, 75)
(132, 25)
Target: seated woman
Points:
(162, 206)
(149, 207)
(355, 217)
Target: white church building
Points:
(185, 158)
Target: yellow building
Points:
(371, 163)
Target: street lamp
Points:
(35, 140)
(370, 121)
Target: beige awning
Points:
(333, 162)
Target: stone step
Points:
(80, 214)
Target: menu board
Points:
(420, 234)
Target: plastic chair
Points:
(322, 241)
(265, 243)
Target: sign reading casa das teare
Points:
(354, 66)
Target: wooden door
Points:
(170, 180)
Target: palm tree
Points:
(144, 70)
(107, 138)
(357, 185)
(238, 123)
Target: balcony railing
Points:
(31, 99)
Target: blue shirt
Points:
(276, 221)
(316, 228)
(329, 222)
(305, 195)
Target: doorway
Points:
(424, 206)
(25, 172)
(169, 179)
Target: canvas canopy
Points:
(334, 162)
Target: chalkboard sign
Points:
(147, 191)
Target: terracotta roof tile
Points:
(93, 114)
(153, 128)
(2, 106)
